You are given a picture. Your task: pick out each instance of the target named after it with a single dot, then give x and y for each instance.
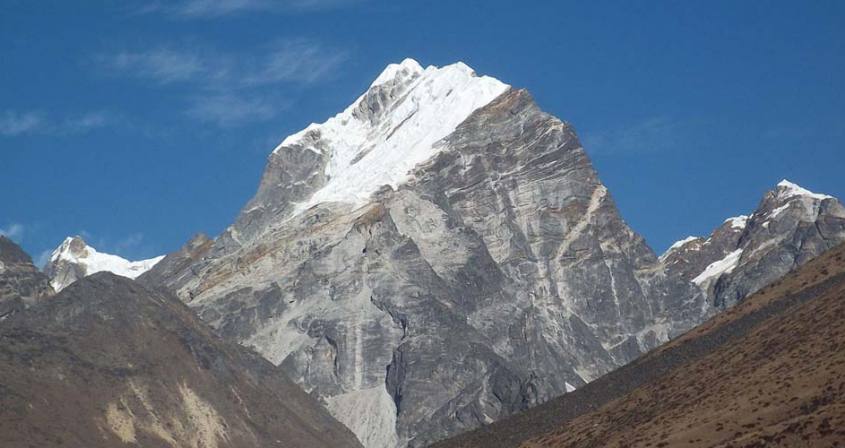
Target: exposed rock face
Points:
(790, 227)
(21, 283)
(491, 274)
(769, 372)
(494, 277)
(74, 259)
(109, 363)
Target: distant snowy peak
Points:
(395, 125)
(74, 259)
(788, 211)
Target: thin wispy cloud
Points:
(16, 123)
(651, 135)
(287, 61)
(226, 110)
(226, 88)
(42, 258)
(129, 242)
(89, 121)
(210, 9)
(161, 65)
(294, 61)
(13, 231)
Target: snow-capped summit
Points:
(405, 69)
(74, 259)
(391, 128)
(786, 190)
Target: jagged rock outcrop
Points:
(21, 283)
(442, 254)
(109, 363)
(768, 372)
(790, 226)
(74, 259)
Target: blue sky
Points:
(140, 124)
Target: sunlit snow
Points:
(365, 154)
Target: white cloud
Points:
(209, 9)
(227, 110)
(13, 231)
(651, 135)
(285, 61)
(15, 123)
(162, 65)
(43, 257)
(88, 121)
(227, 88)
(298, 60)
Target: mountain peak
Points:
(395, 125)
(71, 247)
(407, 68)
(786, 190)
(74, 259)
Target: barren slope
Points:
(108, 363)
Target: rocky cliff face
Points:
(442, 254)
(790, 226)
(108, 363)
(491, 273)
(74, 259)
(21, 283)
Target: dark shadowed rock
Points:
(109, 363)
(21, 283)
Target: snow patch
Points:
(717, 268)
(682, 242)
(569, 387)
(738, 222)
(366, 152)
(677, 245)
(776, 212)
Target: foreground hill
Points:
(21, 283)
(768, 372)
(109, 363)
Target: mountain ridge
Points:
(74, 259)
(503, 249)
(626, 407)
(107, 362)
